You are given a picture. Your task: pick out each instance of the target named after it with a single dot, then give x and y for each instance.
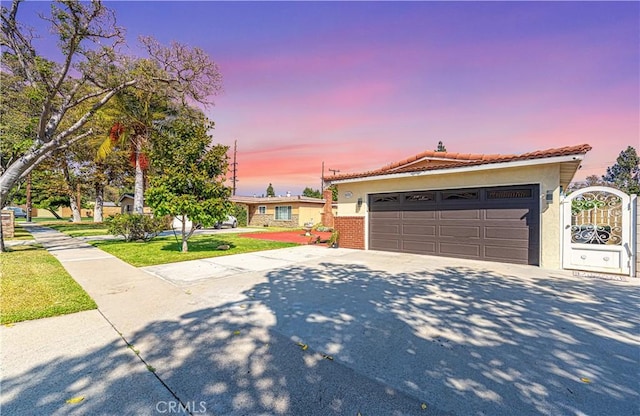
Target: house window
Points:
(283, 213)
(459, 195)
(262, 209)
(509, 194)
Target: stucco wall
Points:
(300, 214)
(637, 242)
(547, 176)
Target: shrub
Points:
(135, 227)
(240, 212)
(333, 241)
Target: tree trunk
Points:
(75, 210)
(138, 194)
(55, 214)
(2, 247)
(97, 210)
(185, 247)
(73, 201)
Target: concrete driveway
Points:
(463, 337)
(315, 331)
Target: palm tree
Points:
(137, 110)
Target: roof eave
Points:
(462, 169)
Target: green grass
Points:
(166, 249)
(34, 285)
(82, 229)
(20, 234)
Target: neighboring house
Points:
(126, 205)
(281, 211)
(503, 208)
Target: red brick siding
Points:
(327, 213)
(351, 231)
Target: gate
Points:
(598, 231)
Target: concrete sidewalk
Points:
(48, 361)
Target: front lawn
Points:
(19, 233)
(82, 229)
(166, 249)
(33, 285)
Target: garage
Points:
(490, 223)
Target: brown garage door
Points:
(496, 224)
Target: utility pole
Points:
(322, 179)
(235, 165)
(29, 197)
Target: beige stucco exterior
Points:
(301, 213)
(545, 175)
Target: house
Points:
(281, 211)
(503, 208)
(126, 205)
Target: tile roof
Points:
(274, 199)
(448, 160)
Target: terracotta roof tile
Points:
(459, 160)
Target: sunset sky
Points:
(361, 84)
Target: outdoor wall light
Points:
(549, 197)
(359, 203)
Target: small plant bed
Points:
(293, 236)
(35, 285)
(164, 250)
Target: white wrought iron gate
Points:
(598, 231)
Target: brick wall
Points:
(268, 220)
(8, 223)
(351, 231)
(327, 211)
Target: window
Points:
(283, 213)
(451, 195)
(509, 194)
(420, 197)
(386, 198)
(262, 209)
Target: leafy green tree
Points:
(139, 112)
(312, 193)
(270, 191)
(441, 147)
(334, 192)
(89, 74)
(188, 176)
(240, 212)
(624, 173)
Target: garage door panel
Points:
(392, 229)
(459, 232)
(506, 233)
(419, 230)
(453, 249)
(386, 244)
(507, 214)
(386, 215)
(460, 214)
(418, 215)
(508, 254)
(496, 223)
(419, 247)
